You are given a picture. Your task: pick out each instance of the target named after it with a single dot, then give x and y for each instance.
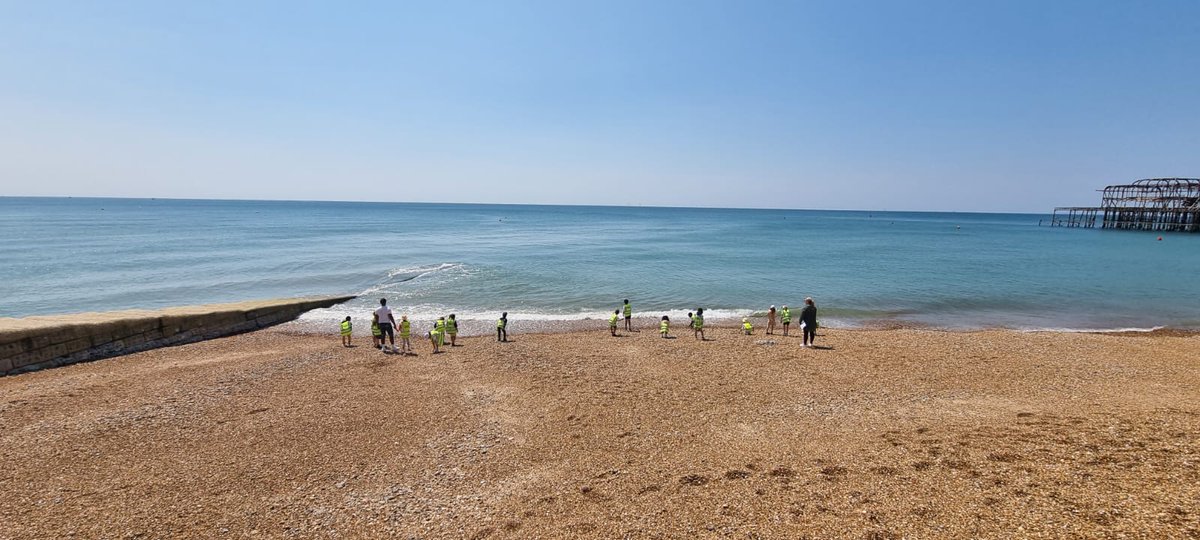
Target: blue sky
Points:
(921, 105)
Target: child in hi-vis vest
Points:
(435, 336)
(347, 329)
(376, 333)
(405, 333)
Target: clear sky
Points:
(897, 105)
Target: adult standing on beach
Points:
(628, 316)
(808, 322)
(771, 320)
(387, 324)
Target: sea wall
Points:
(41, 342)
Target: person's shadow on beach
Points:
(822, 347)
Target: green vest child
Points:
(439, 331)
(346, 329)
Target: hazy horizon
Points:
(476, 203)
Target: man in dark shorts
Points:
(387, 324)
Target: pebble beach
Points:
(875, 434)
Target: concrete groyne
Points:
(40, 342)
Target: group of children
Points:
(808, 322)
(379, 338)
(383, 323)
(696, 322)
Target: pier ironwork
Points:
(1151, 204)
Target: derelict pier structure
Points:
(1152, 204)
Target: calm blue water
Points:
(553, 262)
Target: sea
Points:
(578, 263)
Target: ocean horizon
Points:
(953, 270)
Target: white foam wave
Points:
(410, 273)
(429, 313)
(1091, 330)
(419, 271)
(362, 309)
